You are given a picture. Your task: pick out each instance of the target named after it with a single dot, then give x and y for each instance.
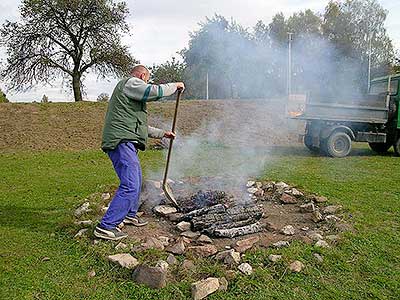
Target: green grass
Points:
(38, 192)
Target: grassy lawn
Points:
(38, 192)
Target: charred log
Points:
(201, 199)
(233, 232)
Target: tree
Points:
(65, 38)
(170, 71)
(45, 99)
(103, 97)
(3, 98)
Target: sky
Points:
(160, 28)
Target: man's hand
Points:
(169, 135)
(180, 85)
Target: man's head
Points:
(141, 72)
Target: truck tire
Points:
(380, 147)
(309, 144)
(338, 144)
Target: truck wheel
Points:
(309, 144)
(338, 144)
(380, 147)
(396, 146)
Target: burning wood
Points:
(202, 199)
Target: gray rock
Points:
(245, 268)
(188, 265)
(223, 284)
(203, 251)
(164, 210)
(332, 209)
(288, 230)
(259, 185)
(81, 233)
(288, 199)
(245, 244)
(204, 239)
(153, 184)
(333, 238)
(92, 273)
(332, 218)
(274, 258)
(252, 190)
(175, 217)
(250, 183)
(84, 208)
(281, 244)
(318, 257)
(296, 192)
(105, 196)
(153, 277)
(163, 265)
(125, 260)
(121, 246)
(171, 260)
(281, 186)
(178, 248)
(317, 216)
(152, 243)
(183, 226)
(321, 244)
(229, 257)
(84, 223)
(190, 234)
(315, 236)
(164, 240)
(296, 266)
(307, 208)
(205, 287)
(319, 199)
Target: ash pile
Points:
(216, 214)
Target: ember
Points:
(201, 199)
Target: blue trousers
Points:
(126, 200)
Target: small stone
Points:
(188, 265)
(288, 199)
(332, 218)
(205, 287)
(318, 257)
(317, 216)
(171, 260)
(306, 228)
(84, 208)
(333, 238)
(178, 248)
(152, 243)
(319, 199)
(252, 190)
(322, 244)
(121, 246)
(271, 226)
(190, 234)
(227, 247)
(229, 257)
(250, 183)
(163, 265)
(104, 209)
(246, 244)
(307, 208)
(153, 184)
(259, 193)
(275, 258)
(203, 251)
(153, 277)
(296, 266)
(95, 242)
(281, 244)
(175, 217)
(46, 258)
(315, 236)
(81, 233)
(269, 186)
(281, 185)
(245, 268)
(204, 239)
(296, 193)
(84, 223)
(332, 209)
(259, 185)
(164, 240)
(91, 273)
(164, 210)
(230, 274)
(105, 196)
(288, 230)
(183, 226)
(125, 260)
(223, 284)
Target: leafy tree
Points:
(65, 38)
(45, 99)
(170, 71)
(3, 98)
(103, 97)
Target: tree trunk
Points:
(76, 86)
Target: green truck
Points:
(332, 125)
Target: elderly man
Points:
(125, 132)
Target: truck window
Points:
(378, 88)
